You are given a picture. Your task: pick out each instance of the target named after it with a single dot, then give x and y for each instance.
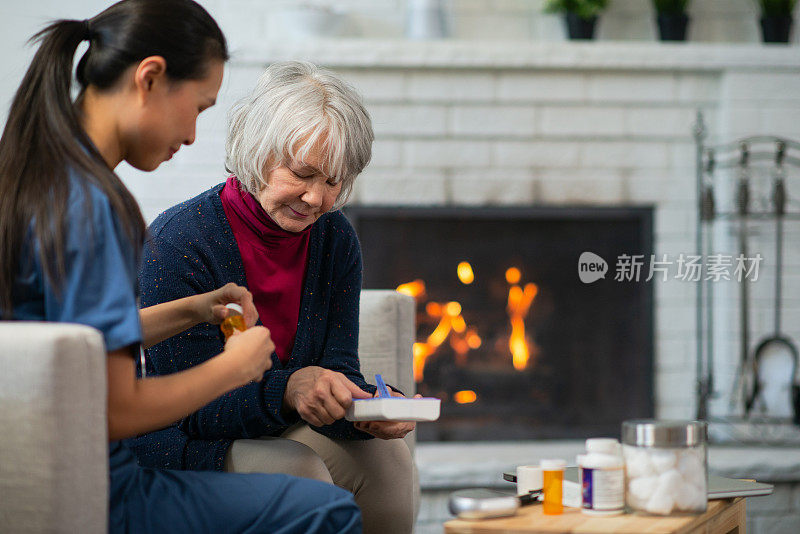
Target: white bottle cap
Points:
(235, 307)
(596, 460)
(603, 446)
(553, 465)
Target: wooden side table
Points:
(724, 516)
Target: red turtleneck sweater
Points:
(274, 263)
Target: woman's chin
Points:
(146, 166)
(293, 225)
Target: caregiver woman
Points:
(295, 146)
(70, 240)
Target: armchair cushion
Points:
(53, 429)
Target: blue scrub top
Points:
(99, 289)
(100, 285)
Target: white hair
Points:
(294, 106)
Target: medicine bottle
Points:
(602, 477)
(553, 486)
(234, 320)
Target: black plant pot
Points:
(579, 28)
(672, 26)
(776, 29)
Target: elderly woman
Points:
(295, 146)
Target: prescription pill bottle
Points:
(666, 466)
(602, 477)
(234, 320)
(553, 486)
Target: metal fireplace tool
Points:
(749, 418)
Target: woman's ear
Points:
(150, 73)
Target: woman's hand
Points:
(320, 396)
(136, 406)
(250, 352)
(387, 429)
(167, 319)
(210, 306)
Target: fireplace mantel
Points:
(596, 55)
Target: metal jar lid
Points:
(655, 433)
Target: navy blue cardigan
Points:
(191, 249)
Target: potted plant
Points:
(580, 15)
(672, 19)
(776, 20)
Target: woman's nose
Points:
(190, 138)
(314, 194)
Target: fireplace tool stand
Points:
(752, 415)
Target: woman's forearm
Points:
(165, 320)
(139, 406)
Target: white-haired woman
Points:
(295, 146)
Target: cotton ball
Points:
(689, 460)
(697, 452)
(690, 498)
(635, 502)
(660, 502)
(700, 499)
(663, 460)
(638, 464)
(670, 482)
(641, 489)
(692, 469)
(638, 500)
(667, 486)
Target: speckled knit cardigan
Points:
(191, 249)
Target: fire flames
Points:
(465, 397)
(451, 324)
(462, 337)
(465, 274)
(519, 303)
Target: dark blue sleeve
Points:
(171, 272)
(99, 288)
(341, 340)
(340, 352)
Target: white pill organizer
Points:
(394, 409)
(388, 408)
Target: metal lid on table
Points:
(666, 433)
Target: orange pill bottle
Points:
(234, 320)
(553, 486)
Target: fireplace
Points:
(508, 336)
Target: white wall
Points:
(246, 22)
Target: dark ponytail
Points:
(43, 137)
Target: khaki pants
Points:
(380, 473)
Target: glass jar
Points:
(666, 466)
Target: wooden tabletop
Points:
(722, 516)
